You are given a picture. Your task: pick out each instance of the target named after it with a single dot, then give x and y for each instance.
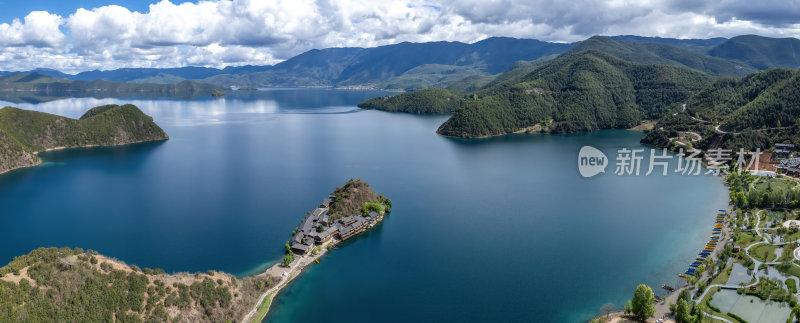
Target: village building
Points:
(317, 228)
(790, 167)
(350, 226)
(783, 150)
(326, 202)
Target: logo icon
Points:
(591, 161)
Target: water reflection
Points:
(237, 107)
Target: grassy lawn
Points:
(263, 308)
(776, 183)
(788, 253)
(775, 218)
(723, 276)
(760, 251)
(744, 239)
(792, 236)
(791, 285)
(766, 218)
(790, 270)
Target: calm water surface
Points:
(500, 229)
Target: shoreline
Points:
(293, 271)
(318, 234)
(522, 131)
(662, 310)
(39, 161)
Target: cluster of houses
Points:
(318, 228)
(790, 167)
(787, 165)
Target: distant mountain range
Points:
(413, 66)
(34, 87)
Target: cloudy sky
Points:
(74, 36)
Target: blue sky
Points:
(20, 9)
(74, 36)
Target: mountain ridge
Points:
(586, 91)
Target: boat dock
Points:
(716, 232)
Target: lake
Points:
(498, 229)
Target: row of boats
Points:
(710, 246)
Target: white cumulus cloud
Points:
(238, 32)
(39, 29)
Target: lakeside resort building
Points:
(783, 150)
(318, 228)
(782, 160)
(790, 167)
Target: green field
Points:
(763, 252)
(775, 183)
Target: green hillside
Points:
(73, 285)
(24, 132)
(655, 53)
(582, 92)
(758, 100)
(431, 75)
(753, 112)
(470, 83)
(518, 70)
(428, 101)
(761, 52)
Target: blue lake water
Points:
(498, 229)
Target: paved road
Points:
(717, 128)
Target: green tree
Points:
(682, 314)
(739, 198)
(642, 303)
(685, 295)
(795, 315)
(288, 259)
(700, 269)
(370, 207)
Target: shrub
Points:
(370, 207)
(737, 317)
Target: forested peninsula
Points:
(606, 84)
(582, 92)
(24, 133)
